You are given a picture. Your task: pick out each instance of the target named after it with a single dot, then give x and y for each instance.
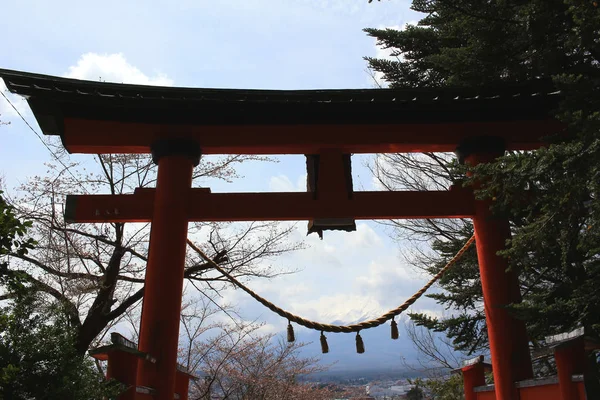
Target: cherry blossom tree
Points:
(97, 270)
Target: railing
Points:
(569, 351)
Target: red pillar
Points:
(509, 346)
(570, 360)
(473, 376)
(159, 332)
(182, 385)
(122, 366)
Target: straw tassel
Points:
(395, 333)
(324, 345)
(360, 346)
(290, 333)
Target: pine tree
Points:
(551, 195)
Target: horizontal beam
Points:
(206, 206)
(93, 137)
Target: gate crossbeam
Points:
(205, 206)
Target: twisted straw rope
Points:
(337, 328)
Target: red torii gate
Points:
(177, 125)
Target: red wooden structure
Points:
(177, 125)
(569, 351)
(123, 356)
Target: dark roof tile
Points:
(54, 98)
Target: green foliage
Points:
(444, 388)
(551, 195)
(415, 392)
(468, 42)
(12, 232)
(37, 356)
(449, 387)
(556, 240)
(462, 293)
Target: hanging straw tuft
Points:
(395, 333)
(360, 346)
(290, 333)
(324, 345)
(329, 327)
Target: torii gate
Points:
(177, 125)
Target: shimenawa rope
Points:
(337, 328)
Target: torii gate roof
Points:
(99, 117)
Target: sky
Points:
(285, 44)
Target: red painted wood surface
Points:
(543, 392)
(93, 137)
(122, 366)
(570, 360)
(509, 348)
(473, 376)
(159, 332)
(581, 391)
(182, 385)
(205, 206)
(486, 395)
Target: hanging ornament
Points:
(290, 333)
(324, 345)
(360, 346)
(395, 333)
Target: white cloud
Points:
(390, 164)
(113, 68)
(380, 161)
(364, 237)
(298, 290)
(382, 274)
(267, 329)
(337, 249)
(386, 54)
(388, 280)
(338, 308)
(282, 183)
(90, 66)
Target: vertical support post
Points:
(473, 376)
(334, 180)
(182, 385)
(122, 366)
(159, 332)
(507, 335)
(329, 177)
(570, 360)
